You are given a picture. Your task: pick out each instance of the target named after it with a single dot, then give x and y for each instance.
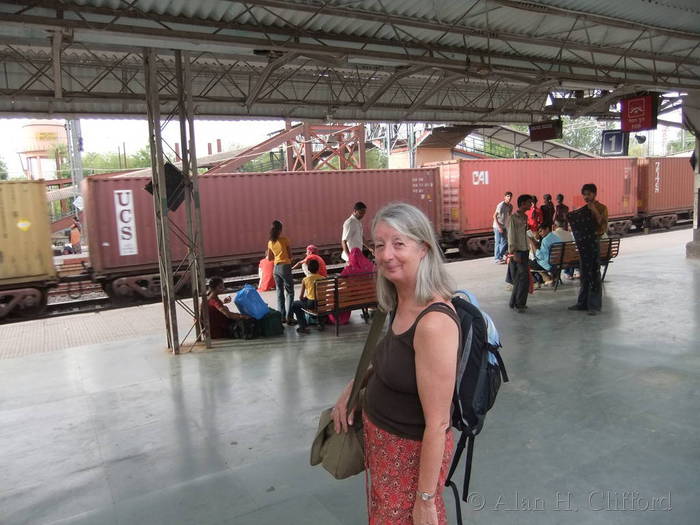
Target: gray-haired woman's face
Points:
(397, 256)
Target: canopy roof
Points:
(469, 61)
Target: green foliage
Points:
(585, 133)
(59, 152)
(106, 162)
(375, 159)
(271, 161)
(3, 170)
(495, 149)
(636, 149)
(684, 142)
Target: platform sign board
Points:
(638, 113)
(615, 143)
(126, 222)
(548, 130)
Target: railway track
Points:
(63, 300)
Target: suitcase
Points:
(271, 324)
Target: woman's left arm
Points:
(435, 342)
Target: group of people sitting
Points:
(531, 232)
(224, 323)
(548, 214)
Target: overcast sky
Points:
(106, 135)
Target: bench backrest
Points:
(350, 292)
(325, 294)
(609, 248)
(564, 253)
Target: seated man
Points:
(564, 236)
(541, 247)
(222, 321)
(312, 254)
(307, 297)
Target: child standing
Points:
(307, 297)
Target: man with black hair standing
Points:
(547, 211)
(590, 295)
(561, 211)
(518, 248)
(501, 216)
(352, 236)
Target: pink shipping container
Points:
(471, 189)
(238, 209)
(665, 186)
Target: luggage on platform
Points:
(271, 324)
(265, 273)
(249, 302)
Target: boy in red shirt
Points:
(534, 216)
(312, 255)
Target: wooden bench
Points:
(564, 255)
(343, 294)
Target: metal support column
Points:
(360, 137)
(692, 249)
(411, 144)
(160, 200)
(288, 149)
(308, 148)
(75, 147)
(195, 240)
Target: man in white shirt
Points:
(559, 231)
(501, 217)
(352, 230)
(564, 236)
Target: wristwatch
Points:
(425, 496)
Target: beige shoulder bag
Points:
(343, 454)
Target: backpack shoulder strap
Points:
(439, 307)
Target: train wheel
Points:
(117, 293)
(32, 304)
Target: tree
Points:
(105, 162)
(585, 133)
(3, 170)
(59, 152)
(684, 142)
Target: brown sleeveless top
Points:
(391, 398)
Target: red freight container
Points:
(471, 189)
(238, 209)
(665, 185)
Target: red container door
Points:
(667, 185)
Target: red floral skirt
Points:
(393, 463)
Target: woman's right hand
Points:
(339, 413)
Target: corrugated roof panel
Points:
(671, 14)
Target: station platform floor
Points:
(599, 424)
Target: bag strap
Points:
(468, 440)
(375, 331)
(502, 366)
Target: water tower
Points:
(39, 141)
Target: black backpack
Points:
(480, 370)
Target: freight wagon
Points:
(26, 259)
(665, 193)
(237, 209)
(237, 212)
(630, 187)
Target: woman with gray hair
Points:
(406, 410)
